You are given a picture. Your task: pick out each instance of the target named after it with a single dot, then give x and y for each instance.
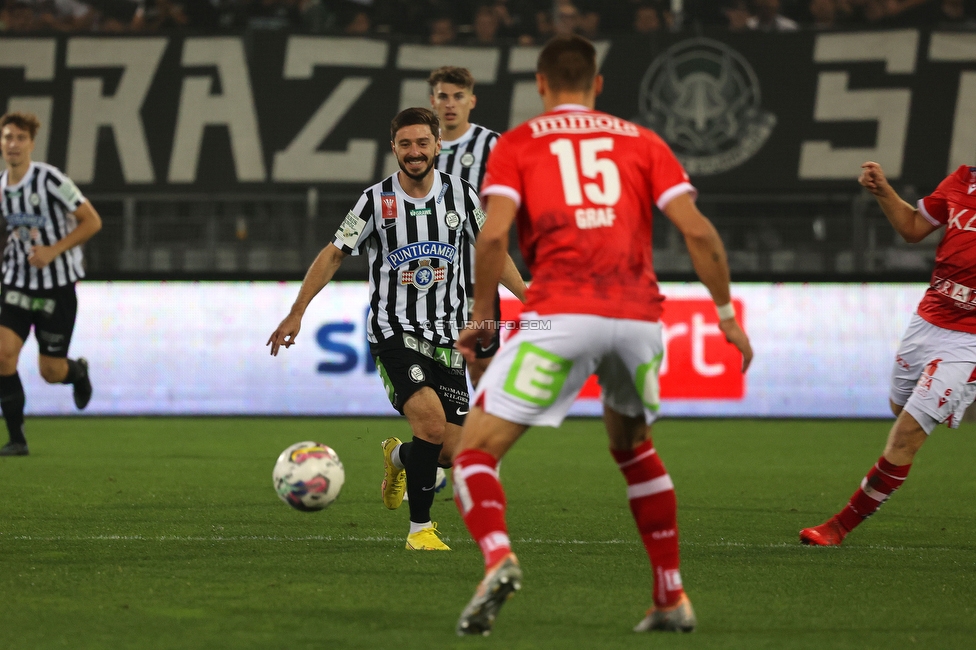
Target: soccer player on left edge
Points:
(933, 378)
(412, 225)
(47, 220)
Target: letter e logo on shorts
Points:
(648, 386)
(537, 376)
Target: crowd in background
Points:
(473, 22)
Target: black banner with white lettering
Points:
(744, 112)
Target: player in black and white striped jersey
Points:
(413, 226)
(464, 146)
(464, 152)
(47, 220)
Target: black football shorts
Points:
(51, 312)
(407, 363)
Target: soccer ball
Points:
(308, 476)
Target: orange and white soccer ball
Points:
(308, 476)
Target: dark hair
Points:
(451, 74)
(568, 63)
(25, 121)
(416, 115)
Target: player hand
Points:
(736, 336)
(873, 178)
(481, 334)
(41, 256)
(285, 334)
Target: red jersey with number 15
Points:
(950, 301)
(585, 182)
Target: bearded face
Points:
(416, 149)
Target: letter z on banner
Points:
(698, 362)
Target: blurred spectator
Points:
(589, 25)
(543, 29)
(647, 20)
(767, 17)
(62, 15)
(442, 31)
(359, 24)
(715, 13)
(17, 17)
(737, 13)
(159, 16)
(823, 14)
(486, 25)
(590, 19)
(273, 14)
(953, 13)
(514, 16)
(566, 19)
(123, 16)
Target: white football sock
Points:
(416, 528)
(395, 457)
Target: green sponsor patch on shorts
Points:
(537, 376)
(648, 386)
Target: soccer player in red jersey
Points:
(934, 375)
(580, 184)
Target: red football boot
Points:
(829, 533)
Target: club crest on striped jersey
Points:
(35, 200)
(424, 276)
(452, 219)
(421, 250)
(467, 159)
(388, 199)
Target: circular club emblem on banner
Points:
(423, 277)
(467, 159)
(452, 219)
(703, 98)
(416, 374)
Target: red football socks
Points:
(652, 502)
(481, 501)
(883, 479)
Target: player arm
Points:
(711, 265)
(704, 246)
(89, 223)
(491, 255)
(511, 279)
(904, 218)
(319, 274)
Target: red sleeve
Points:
(502, 176)
(934, 207)
(668, 178)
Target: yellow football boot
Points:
(394, 480)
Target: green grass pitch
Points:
(166, 533)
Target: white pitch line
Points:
(384, 539)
